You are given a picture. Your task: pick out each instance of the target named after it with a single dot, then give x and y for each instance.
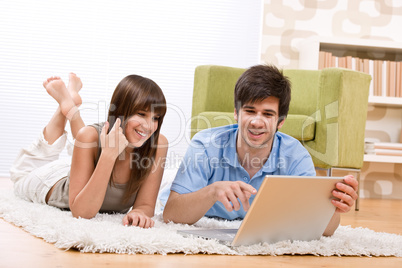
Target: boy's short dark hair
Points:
(260, 82)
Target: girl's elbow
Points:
(81, 214)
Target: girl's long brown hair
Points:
(136, 93)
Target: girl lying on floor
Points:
(115, 165)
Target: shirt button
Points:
(245, 179)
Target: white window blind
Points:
(102, 42)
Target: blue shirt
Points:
(212, 157)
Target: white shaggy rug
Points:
(105, 233)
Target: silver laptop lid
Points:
(288, 208)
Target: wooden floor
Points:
(20, 249)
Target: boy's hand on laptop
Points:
(346, 194)
(230, 192)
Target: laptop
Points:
(285, 208)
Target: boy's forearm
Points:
(332, 225)
(188, 208)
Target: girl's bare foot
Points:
(57, 89)
(74, 86)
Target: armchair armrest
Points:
(340, 119)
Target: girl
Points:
(115, 166)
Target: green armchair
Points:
(327, 111)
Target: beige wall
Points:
(287, 22)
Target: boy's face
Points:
(258, 122)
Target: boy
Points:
(228, 164)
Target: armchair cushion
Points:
(301, 127)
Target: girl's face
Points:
(140, 127)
